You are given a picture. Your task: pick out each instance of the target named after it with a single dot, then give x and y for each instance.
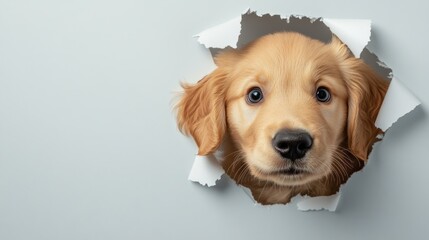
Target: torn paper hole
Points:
(239, 32)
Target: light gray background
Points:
(89, 147)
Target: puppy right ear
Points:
(201, 111)
(366, 91)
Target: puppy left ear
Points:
(366, 91)
(201, 111)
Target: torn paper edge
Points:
(305, 203)
(329, 203)
(357, 39)
(206, 170)
(216, 37)
(210, 37)
(393, 107)
(355, 33)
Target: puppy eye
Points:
(255, 95)
(323, 94)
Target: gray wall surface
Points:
(89, 147)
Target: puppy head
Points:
(288, 102)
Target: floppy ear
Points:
(201, 111)
(366, 91)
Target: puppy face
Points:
(287, 108)
(291, 104)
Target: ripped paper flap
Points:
(355, 33)
(397, 102)
(319, 203)
(222, 35)
(206, 170)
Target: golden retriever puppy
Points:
(297, 115)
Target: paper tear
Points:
(329, 203)
(221, 36)
(355, 33)
(206, 170)
(397, 102)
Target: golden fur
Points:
(288, 67)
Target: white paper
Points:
(222, 35)
(206, 170)
(397, 102)
(356, 35)
(319, 203)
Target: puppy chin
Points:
(295, 180)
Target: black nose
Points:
(292, 144)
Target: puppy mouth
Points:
(291, 171)
(288, 176)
